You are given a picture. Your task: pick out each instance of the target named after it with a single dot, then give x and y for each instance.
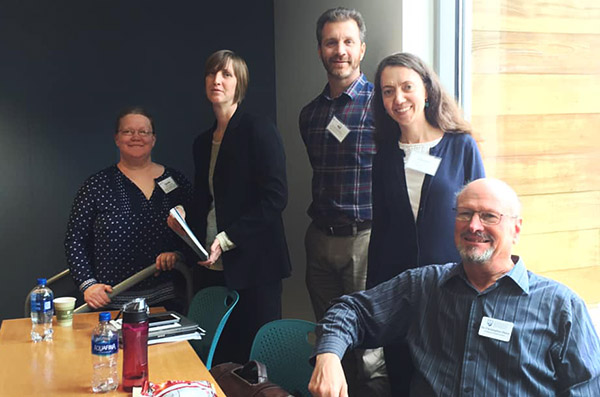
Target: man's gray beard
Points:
(471, 255)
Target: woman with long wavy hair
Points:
(425, 154)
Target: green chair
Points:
(284, 346)
(210, 308)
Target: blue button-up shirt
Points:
(553, 348)
(341, 183)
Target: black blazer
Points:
(250, 189)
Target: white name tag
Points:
(338, 129)
(423, 162)
(496, 329)
(168, 185)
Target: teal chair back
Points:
(284, 346)
(211, 308)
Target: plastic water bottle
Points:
(42, 308)
(105, 348)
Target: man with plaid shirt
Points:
(337, 128)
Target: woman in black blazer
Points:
(240, 191)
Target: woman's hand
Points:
(328, 378)
(215, 254)
(172, 222)
(95, 296)
(166, 261)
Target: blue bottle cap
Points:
(104, 316)
(41, 281)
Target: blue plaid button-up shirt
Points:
(341, 183)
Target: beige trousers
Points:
(337, 266)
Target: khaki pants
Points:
(337, 266)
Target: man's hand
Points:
(96, 297)
(215, 254)
(328, 377)
(173, 224)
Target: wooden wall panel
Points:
(525, 52)
(534, 94)
(547, 173)
(561, 212)
(553, 16)
(555, 251)
(527, 135)
(584, 281)
(536, 117)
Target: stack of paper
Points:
(183, 329)
(189, 237)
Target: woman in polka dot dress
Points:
(117, 223)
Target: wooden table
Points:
(63, 367)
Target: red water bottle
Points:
(135, 344)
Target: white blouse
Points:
(414, 179)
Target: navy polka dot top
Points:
(114, 231)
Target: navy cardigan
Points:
(397, 242)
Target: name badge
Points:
(168, 185)
(338, 129)
(423, 162)
(496, 329)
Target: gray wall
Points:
(301, 77)
(66, 69)
(67, 66)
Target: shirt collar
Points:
(518, 274)
(456, 271)
(353, 89)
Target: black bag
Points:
(248, 380)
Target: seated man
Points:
(485, 326)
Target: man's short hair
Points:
(341, 14)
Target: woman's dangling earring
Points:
(426, 103)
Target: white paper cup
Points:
(63, 307)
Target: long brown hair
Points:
(442, 112)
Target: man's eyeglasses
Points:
(485, 217)
(139, 132)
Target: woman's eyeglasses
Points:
(133, 132)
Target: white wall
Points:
(300, 77)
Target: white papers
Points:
(164, 327)
(167, 333)
(175, 338)
(118, 324)
(189, 237)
